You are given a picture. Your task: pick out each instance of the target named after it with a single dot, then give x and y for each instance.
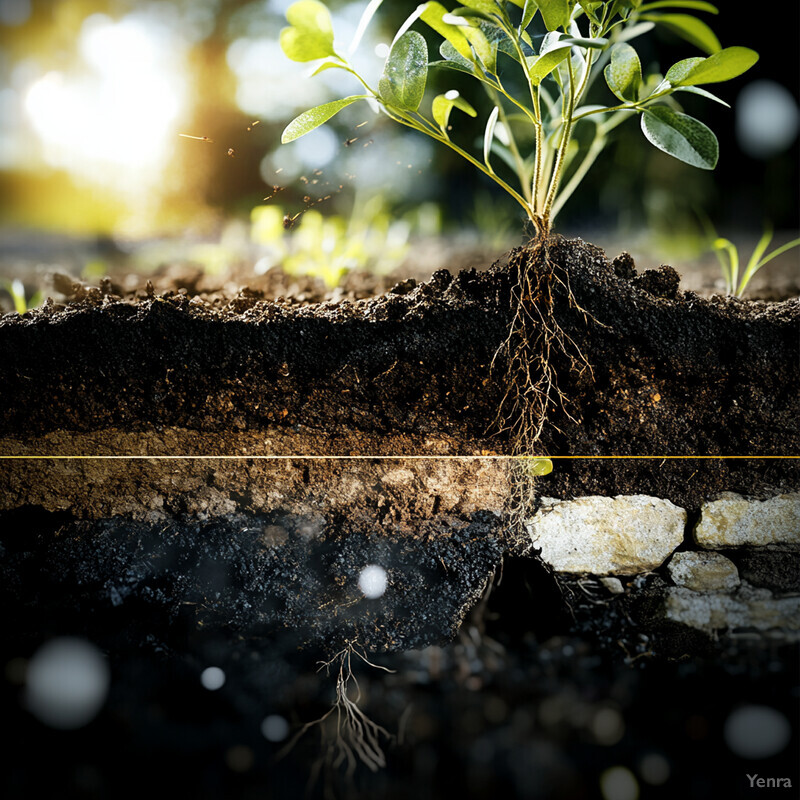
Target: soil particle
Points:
(774, 567)
(662, 282)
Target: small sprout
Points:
(22, 303)
(329, 247)
(728, 256)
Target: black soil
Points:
(276, 575)
(535, 697)
(415, 362)
(672, 373)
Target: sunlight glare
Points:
(115, 121)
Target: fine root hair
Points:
(536, 351)
(347, 735)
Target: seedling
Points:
(536, 60)
(728, 255)
(16, 291)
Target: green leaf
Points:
(693, 30)
(310, 32)
(488, 135)
(405, 72)
(474, 13)
(333, 64)
(443, 104)
(623, 8)
(315, 117)
(538, 467)
(703, 93)
(555, 13)
(678, 71)
(539, 67)
(455, 65)
(624, 73)
(680, 136)
(487, 7)
(528, 13)
(486, 50)
(506, 46)
(452, 34)
(722, 66)
(756, 261)
(589, 8)
(448, 52)
(627, 34)
(697, 5)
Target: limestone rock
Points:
(621, 535)
(748, 607)
(733, 521)
(703, 572)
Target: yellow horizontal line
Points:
(378, 458)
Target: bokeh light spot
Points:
(66, 683)
(756, 731)
(275, 728)
(373, 581)
(212, 678)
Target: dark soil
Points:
(533, 697)
(672, 373)
(259, 576)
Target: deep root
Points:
(348, 735)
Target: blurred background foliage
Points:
(96, 94)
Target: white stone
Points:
(613, 585)
(748, 607)
(621, 535)
(703, 572)
(733, 521)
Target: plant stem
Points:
(596, 147)
(566, 135)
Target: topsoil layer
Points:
(411, 371)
